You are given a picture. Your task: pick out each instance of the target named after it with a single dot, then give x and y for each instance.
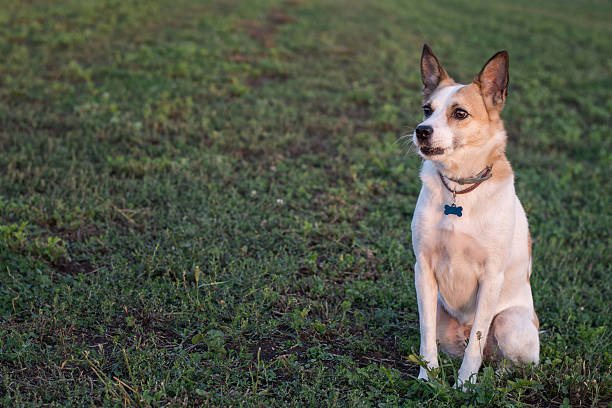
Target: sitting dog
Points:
(469, 232)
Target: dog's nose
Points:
(423, 132)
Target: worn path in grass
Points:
(204, 203)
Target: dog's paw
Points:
(464, 381)
(468, 371)
(423, 375)
(428, 367)
(464, 385)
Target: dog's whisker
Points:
(407, 147)
(399, 139)
(406, 143)
(403, 137)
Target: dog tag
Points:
(452, 209)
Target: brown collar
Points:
(475, 181)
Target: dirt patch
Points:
(134, 326)
(265, 31)
(278, 17)
(69, 265)
(156, 323)
(294, 3)
(318, 139)
(391, 356)
(74, 268)
(271, 349)
(54, 127)
(260, 32)
(96, 341)
(259, 80)
(33, 378)
(240, 58)
(82, 233)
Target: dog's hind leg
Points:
(451, 334)
(516, 333)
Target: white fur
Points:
(486, 273)
(443, 136)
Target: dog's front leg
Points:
(488, 294)
(427, 298)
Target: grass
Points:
(203, 203)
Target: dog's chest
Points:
(457, 260)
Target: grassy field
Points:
(205, 203)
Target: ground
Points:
(206, 203)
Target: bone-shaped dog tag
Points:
(452, 209)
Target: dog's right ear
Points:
(432, 72)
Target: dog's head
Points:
(459, 120)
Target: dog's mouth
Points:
(431, 151)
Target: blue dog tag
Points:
(452, 209)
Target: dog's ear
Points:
(432, 72)
(493, 81)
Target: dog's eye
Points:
(427, 111)
(460, 114)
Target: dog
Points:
(469, 231)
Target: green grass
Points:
(203, 203)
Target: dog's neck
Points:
(468, 169)
(469, 162)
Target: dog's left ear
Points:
(493, 81)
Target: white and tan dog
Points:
(469, 231)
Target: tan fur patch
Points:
(476, 131)
(450, 334)
(470, 98)
(453, 257)
(491, 349)
(501, 167)
(453, 336)
(451, 243)
(529, 243)
(535, 320)
(529, 250)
